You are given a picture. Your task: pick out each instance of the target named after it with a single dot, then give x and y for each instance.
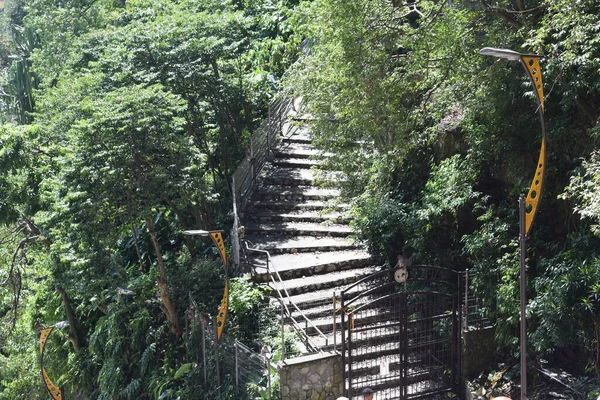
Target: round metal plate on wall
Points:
(401, 275)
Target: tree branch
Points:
(74, 334)
(137, 247)
(163, 287)
(504, 14)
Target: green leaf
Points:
(184, 369)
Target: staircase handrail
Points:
(262, 142)
(278, 283)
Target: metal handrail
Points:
(278, 283)
(262, 142)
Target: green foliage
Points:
(246, 304)
(438, 142)
(136, 113)
(584, 189)
(134, 116)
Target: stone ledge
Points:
(309, 358)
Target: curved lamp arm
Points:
(217, 238)
(532, 66)
(55, 392)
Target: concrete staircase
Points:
(305, 228)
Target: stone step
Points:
(366, 346)
(428, 384)
(297, 151)
(297, 265)
(295, 163)
(331, 281)
(324, 324)
(372, 366)
(316, 300)
(298, 176)
(300, 136)
(289, 177)
(322, 317)
(327, 342)
(297, 193)
(299, 216)
(314, 205)
(299, 244)
(321, 314)
(317, 230)
(371, 356)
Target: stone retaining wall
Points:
(314, 377)
(478, 349)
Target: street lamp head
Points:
(198, 232)
(504, 54)
(61, 324)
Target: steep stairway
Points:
(305, 228)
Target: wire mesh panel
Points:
(478, 314)
(401, 338)
(244, 365)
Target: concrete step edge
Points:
(263, 277)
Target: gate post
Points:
(403, 345)
(454, 344)
(349, 358)
(334, 323)
(459, 325)
(343, 327)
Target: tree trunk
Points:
(137, 249)
(73, 335)
(587, 109)
(597, 337)
(163, 287)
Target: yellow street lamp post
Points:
(217, 238)
(55, 392)
(527, 207)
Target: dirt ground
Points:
(542, 384)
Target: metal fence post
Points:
(236, 224)
(343, 338)
(203, 351)
(237, 370)
(466, 316)
(217, 356)
(268, 378)
(252, 174)
(460, 336)
(349, 372)
(269, 125)
(282, 332)
(334, 323)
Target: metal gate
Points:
(401, 333)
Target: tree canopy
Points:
(123, 122)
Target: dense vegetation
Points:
(123, 124)
(438, 143)
(124, 120)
